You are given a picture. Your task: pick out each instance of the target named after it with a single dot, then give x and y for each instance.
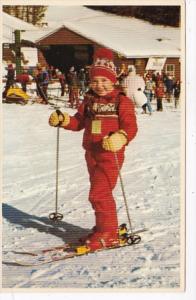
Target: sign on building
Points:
(155, 63)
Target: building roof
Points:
(10, 24)
(128, 36)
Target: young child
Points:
(109, 124)
(160, 93)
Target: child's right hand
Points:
(115, 141)
(59, 119)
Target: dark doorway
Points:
(64, 57)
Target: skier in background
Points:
(41, 78)
(61, 78)
(109, 123)
(72, 80)
(10, 79)
(149, 91)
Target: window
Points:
(170, 68)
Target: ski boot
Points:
(127, 237)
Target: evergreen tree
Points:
(31, 14)
(162, 15)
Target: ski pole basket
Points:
(55, 216)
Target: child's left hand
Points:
(115, 141)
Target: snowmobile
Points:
(16, 95)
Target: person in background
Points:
(159, 77)
(122, 75)
(87, 76)
(42, 80)
(35, 73)
(140, 100)
(160, 93)
(72, 80)
(149, 91)
(82, 81)
(164, 76)
(52, 73)
(154, 76)
(169, 83)
(133, 82)
(177, 93)
(24, 78)
(10, 79)
(62, 82)
(109, 122)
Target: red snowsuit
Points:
(100, 116)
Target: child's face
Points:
(101, 85)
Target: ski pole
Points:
(56, 216)
(133, 237)
(123, 191)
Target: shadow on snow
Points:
(69, 233)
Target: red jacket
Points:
(160, 92)
(113, 111)
(23, 78)
(61, 78)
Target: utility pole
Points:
(17, 49)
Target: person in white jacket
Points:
(133, 82)
(140, 99)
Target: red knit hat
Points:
(103, 64)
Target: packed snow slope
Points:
(151, 175)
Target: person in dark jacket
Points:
(169, 83)
(73, 83)
(61, 78)
(42, 80)
(52, 73)
(10, 79)
(82, 81)
(177, 93)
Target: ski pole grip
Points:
(59, 113)
(111, 132)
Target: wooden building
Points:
(134, 42)
(64, 48)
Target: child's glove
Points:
(60, 119)
(115, 141)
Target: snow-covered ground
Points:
(151, 175)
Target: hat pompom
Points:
(103, 64)
(103, 53)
